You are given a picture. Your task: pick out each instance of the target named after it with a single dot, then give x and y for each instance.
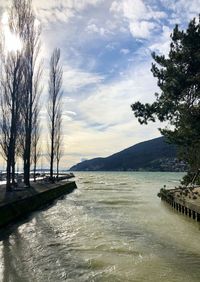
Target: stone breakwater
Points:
(184, 200)
(19, 203)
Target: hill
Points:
(152, 155)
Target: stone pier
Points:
(19, 203)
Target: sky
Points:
(106, 48)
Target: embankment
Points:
(185, 201)
(20, 204)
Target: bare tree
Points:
(11, 86)
(54, 99)
(32, 75)
(19, 86)
(29, 31)
(20, 80)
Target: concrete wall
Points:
(13, 211)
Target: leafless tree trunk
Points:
(37, 90)
(36, 150)
(58, 143)
(54, 99)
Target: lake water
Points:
(112, 228)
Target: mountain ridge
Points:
(152, 155)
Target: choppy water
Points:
(112, 228)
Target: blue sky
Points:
(106, 50)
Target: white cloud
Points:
(134, 10)
(74, 79)
(125, 51)
(162, 46)
(111, 102)
(183, 8)
(61, 10)
(67, 99)
(92, 28)
(69, 113)
(140, 17)
(137, 10)
(141, 29)
(54, 15)
(182, 11)
(57, 10)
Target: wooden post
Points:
(186, 210)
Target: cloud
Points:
(138, 10)
(182, 10)
(53, 10)
(162, 46)
(110, 104)
(124, 51)
(94, 29)
(50, 11)
(69, 113)
(134, 10)
(141, 29)
(75, 79)
(140, 17)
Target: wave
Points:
(115, 202)
(100, 182)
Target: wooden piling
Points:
(183, 204)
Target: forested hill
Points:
(152, 155)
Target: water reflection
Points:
(12, 258)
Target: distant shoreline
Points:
(127, 171)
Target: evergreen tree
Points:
(178, 77)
